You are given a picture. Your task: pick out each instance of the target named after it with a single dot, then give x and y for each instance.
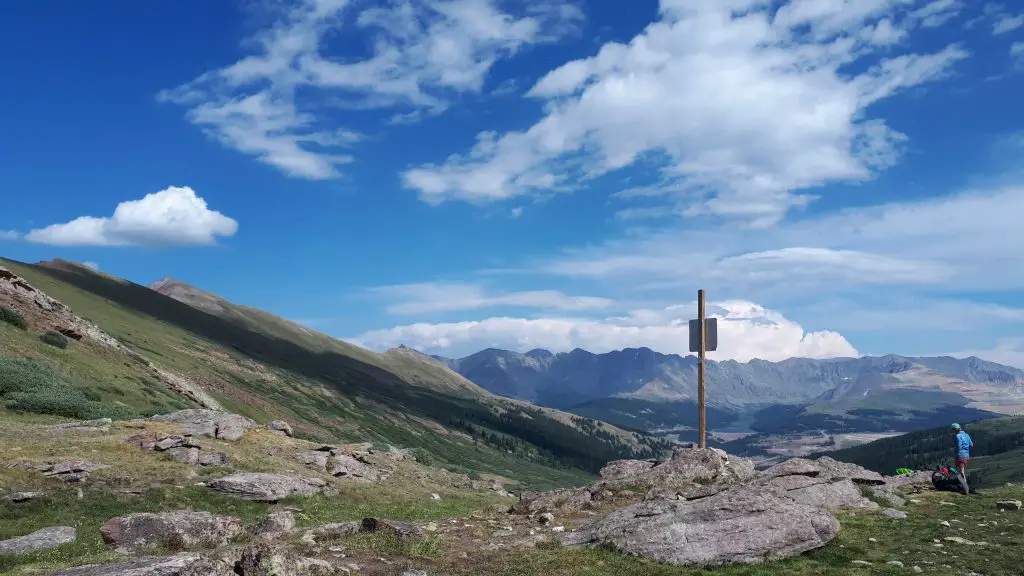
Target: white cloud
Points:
(1017, 49)
(430, 297)
(91, 266)
(740, 109)
(745, 330)
(9, 235)
(1008, 23)
(170, 217)
(938, 12)
(423, 52)
(1009, 351)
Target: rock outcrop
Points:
(212, 423)
(265, 487)
(181, 528)
(39, 540)
(740, 525)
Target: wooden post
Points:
(703, 438)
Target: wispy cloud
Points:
(423, 52)
(440, 297)
(9, 235)
(1007, 24)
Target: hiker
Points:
(963, 453)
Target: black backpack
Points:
(948, 481)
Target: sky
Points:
(842, 178)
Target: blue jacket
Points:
(963, 444)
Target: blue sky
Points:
(842, 177)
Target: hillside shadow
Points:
(347, 375)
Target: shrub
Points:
(55, 339)
(13, 318)
(26, 386)
(422, 456)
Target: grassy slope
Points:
(325, 395)
(158, 483)
(999, 451)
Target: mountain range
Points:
(643, 389)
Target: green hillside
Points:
(327, 395)
(998, 451)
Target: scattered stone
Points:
(396, 527)
(184, 455)
(280, 427)
(944, 523)
(71, 470)
(892, 513)
(329, 530)
(265, 487)
(860, 562)
(435, 496)
(185, 564)
(872, 539)
(183, 528)
(895, 564)
(917, 569)
(546, 518)
(19, 497)
(351, 467)
(264, 560)
(276, 523)
(1011, 505)
(314, 458)
(213, 459)
(99, 425)
(414, 573)
(740, 525)
(39, 540)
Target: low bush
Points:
(27, 386)
(55, 339)
(423, 456)
(13, 318)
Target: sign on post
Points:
(703, 338)
(710, 332)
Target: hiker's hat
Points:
(955, 426)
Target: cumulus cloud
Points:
(745, 331)
(424, 52)
(174, 216)
(434, 297)
(742, 109)
(9, 235)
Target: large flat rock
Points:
(39, 540)
(185, 564)
(742, 525)
(265, 487)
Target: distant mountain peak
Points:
(540, 353)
